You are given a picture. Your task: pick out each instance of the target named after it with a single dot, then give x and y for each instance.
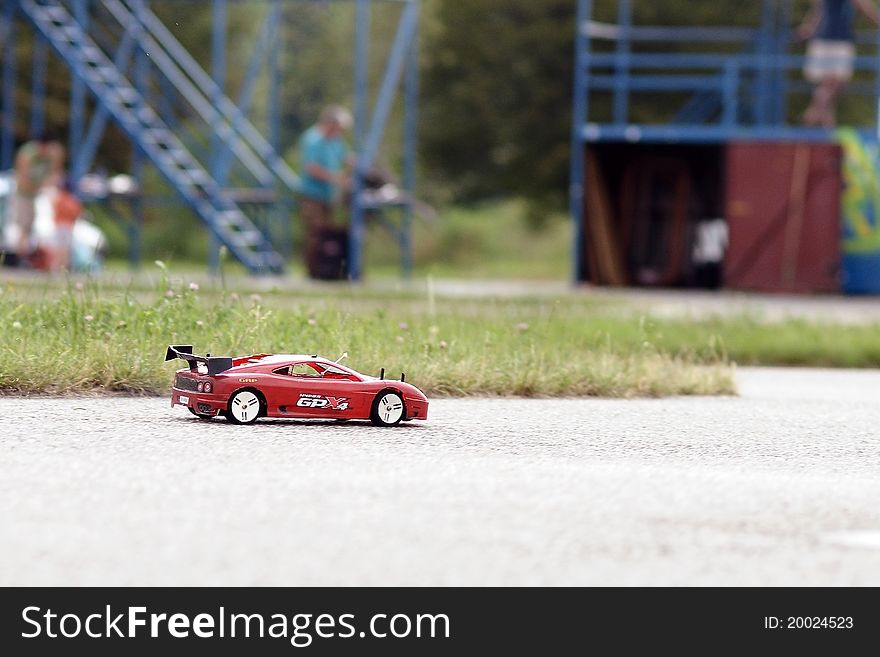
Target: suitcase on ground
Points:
(332, 261)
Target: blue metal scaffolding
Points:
(241, 188)
(725, 83)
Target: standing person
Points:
(38, 163)
(830, 53)
(67, 210)
(323, 159)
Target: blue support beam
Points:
(703, 134)
(7, 143)
(783, 39)
(361, 55)
(283, 208)
(667, 64)
(672, 33)
(620, 82)
(654, 83)
(765, 49)
(361, 63)
(407, 28)
(276, 16)
(40, 61)
(77, 98)
(410, 139)
(730, 89)
(579, 112)
(218, 72)
(142, 85)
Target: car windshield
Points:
(298, 369)
(316, 370)
(330, 370)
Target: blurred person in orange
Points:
(67, 210)
(38, 163)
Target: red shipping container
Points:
(783, 213)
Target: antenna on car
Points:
(381, 372)
(344, 355)
(402, 377)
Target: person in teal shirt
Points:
(323, 163)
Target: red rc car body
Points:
(265, 385)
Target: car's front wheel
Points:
(244, 407)
(387, 409)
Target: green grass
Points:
(750, 340)
(90, 336)
(488, 240)
(87, 339)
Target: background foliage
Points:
(495, 89)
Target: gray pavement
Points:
(779, 486)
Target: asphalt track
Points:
(779, 486)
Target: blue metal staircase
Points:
(203, 94)
(119, 98)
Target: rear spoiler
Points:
(215, 364)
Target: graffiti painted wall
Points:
(860, 213)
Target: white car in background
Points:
(88, 243)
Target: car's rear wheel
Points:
(387, 409)
(244, 407)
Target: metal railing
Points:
(732, 82)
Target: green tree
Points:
(497, 97)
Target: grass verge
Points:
(88, 338)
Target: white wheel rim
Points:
(390, 408)
(245, 406)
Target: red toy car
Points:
(265, 385)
